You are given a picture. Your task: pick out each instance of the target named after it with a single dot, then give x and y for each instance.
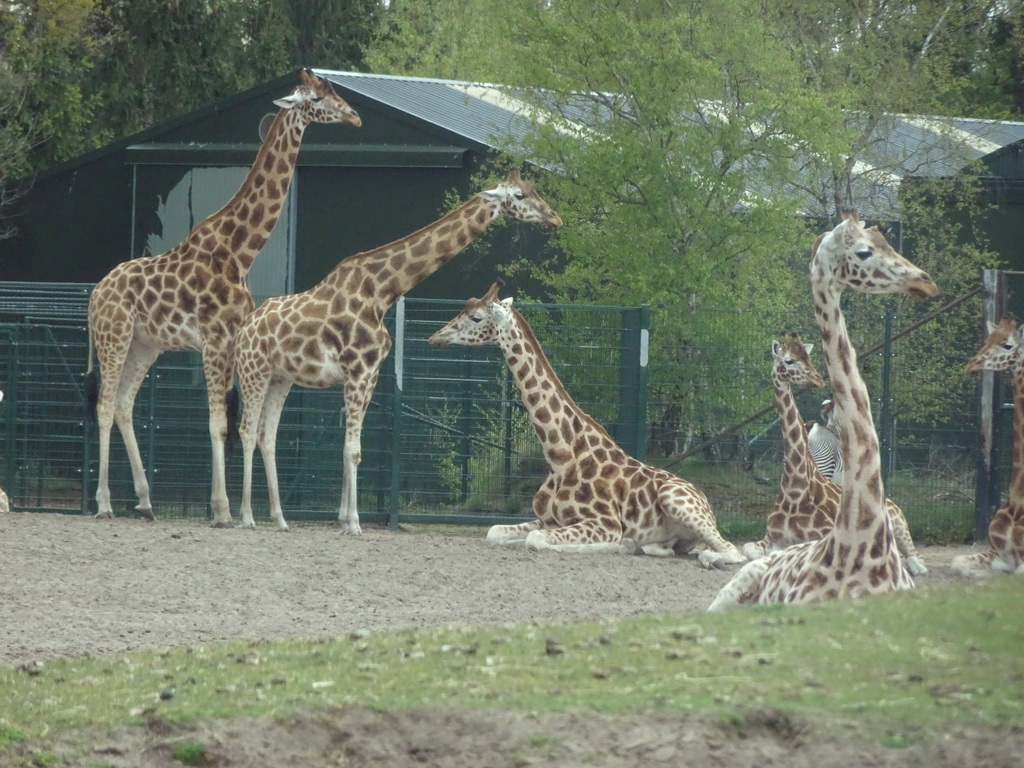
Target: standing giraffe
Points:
(195, 296)
(807, 504)
(596, 497)
(1003, 350)
(859, 555)
(334, 333)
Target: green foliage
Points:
(697, 149)
(45, 53)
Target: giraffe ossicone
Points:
(806, 506)
(1003, 350)
(194, 296)
(596, 498)
(334, 333)
(859, 555)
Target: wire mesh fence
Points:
(446, 437)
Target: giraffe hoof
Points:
(222, 525)
(103, 516)
(145, 514)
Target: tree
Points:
(697, 148)
(44, 48)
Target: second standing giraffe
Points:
(334, 333)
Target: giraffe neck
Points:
(554, 415)
(247, 220)
(861, 511)
(400, 266)
(797, 464)
(1016, 492)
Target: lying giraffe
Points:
(1003, 350)
(807, 504)
(596, 497)
(334, 333)
(859, 555)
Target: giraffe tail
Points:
(231, 403)
(92, 389)
(92, 395)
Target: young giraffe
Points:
(334, 333)
(807, 504)
(1003, 350)
(859, 555)
(596, 497)
(195, 296)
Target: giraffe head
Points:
(314, 96)
(792, 363)
(479, 323)
(518, 199)
(860, 258)
(1001, 350)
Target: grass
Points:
(898, 663)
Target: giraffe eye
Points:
(475, 318)
(519, 196)
(864, 254)
(315, 99)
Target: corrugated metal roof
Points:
(900, 145)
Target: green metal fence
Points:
(446, 437)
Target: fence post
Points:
(885, 418)
(986, 497)
(398, 355)
(633, 380)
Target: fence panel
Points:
(446, 437)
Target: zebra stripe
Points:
(823, 442)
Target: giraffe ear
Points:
(289, 101)
(507, 302)
(775, 348)
(991, 327)
(808, 348)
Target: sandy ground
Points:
(71, 585)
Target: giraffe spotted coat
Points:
(858, 556)
(596, 497)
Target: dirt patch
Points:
(71, 586)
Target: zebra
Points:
(823, 442)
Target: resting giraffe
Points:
(334, 333)
(807, 504)
(1003, 350)
(195, 296)
(596, 498)
(858, 556)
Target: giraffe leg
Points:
(254, 393)
(218, 373)
(904, 543)
(511, 534)
(358, 392)
(137, 364)
(691, 514)
(743, 588)
(270, 417)
(755, 550)
(590, 536)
